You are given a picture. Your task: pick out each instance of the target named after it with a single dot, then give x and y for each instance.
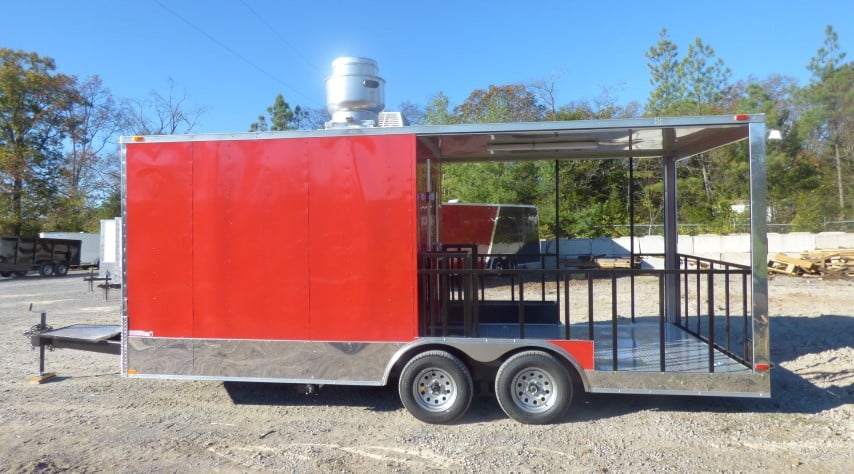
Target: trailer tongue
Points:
(104, 338)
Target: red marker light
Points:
(742, 117)
(762, 367)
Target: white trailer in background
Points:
(111, 248)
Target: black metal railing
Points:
(707, 323)
(460, 290)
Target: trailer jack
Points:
(34, 334)
(103, 338)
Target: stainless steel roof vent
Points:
(355, 94)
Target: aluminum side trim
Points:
(756, 385)
(261, 360)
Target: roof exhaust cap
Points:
(355, 94)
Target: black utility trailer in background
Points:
(47, 256)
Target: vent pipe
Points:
(355, 94)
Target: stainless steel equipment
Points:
(355, 94)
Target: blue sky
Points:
(233, 57)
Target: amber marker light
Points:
(131, 371)
(138, 138)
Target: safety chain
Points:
(36, 330)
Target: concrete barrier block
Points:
(735, 243)
(685, 244)
(741, 258)
(775, 243)
(607, 246)
(834, 240)
(708, 255)
(707, 243)
(572, 247)
(652, 263)
(794, 242)
(651, 244)
(625, 244)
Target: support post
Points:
(671, 259)
(631, 197)
(759, 248)
(41, 346)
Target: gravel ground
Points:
(89, 419)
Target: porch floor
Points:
(638, 347)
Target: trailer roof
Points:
(578, 139)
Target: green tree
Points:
(793, 175)
(500, 104)
(830, 110)
(491, 182)
(413, 114)
(438, 111)
(665, 76)
(696, 84)
(705, 79)
(90, 168)
(35, 105)
(282, 117)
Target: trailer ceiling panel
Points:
(581, 139)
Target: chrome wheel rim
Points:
(534, 390)
(434, 389)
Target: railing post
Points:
(590, 305)
(726, 306)
(522, 306)
(566, 319)
(614, 318)
(710, 284)
(662, 340)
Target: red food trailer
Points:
(508, 233)
(315, 257)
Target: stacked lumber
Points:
(825, 262)
(617, 262)
(840, 261)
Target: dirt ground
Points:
(89, 419)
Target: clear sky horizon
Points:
(233, 57)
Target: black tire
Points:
(436, 387)
(6, 274)
(46, 269)
(534, 388)
(60, 269)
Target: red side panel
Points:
(468, 224)
(159, 238)
(299, 239)
(582, 351)
(250, 244)
(363, 238)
